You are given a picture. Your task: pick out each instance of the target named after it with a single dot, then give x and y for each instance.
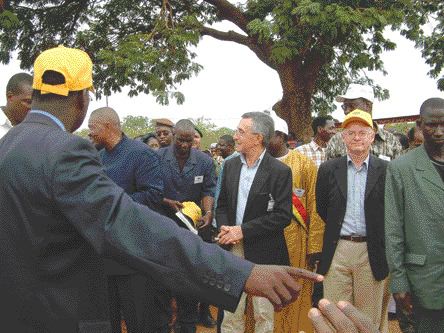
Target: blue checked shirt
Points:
(354, 219)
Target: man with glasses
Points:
(386, 146)
(350, 200)
(253, 209)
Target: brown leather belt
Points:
(358, 239)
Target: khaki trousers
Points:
(350, 278)
(263, 310)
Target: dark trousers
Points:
(428, 321)
(186, 314)
(143, 303)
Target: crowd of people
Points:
(149, 229)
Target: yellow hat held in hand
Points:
(191, 210)
(358, 115)
(75, 65)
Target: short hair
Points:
(411, 133)
(319, 121)
(228, 139)
(262, 124)
(403, 140)
(431, 103)
(145, 138)
(52, 78)
(106, 114)
(185, 125)
(17, 81)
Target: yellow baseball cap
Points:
(358, 115)
(191, 210)
(75, 65)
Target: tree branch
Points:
(232, 36)
(229, 12)
(228, 36)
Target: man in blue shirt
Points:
(350, 200)
(188, 175)
(136, 169)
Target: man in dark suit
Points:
(61, 214)
(253, 208)
(350, 199)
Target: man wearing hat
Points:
(61, 214)
(350, 200)
(164, 132)
(385, 145)
(198, 135)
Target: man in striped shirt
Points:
(323, 129)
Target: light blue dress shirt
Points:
(49, 115)
(354, 219)
(246, 178)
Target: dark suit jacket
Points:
(60, 213)
(264, 241)
(331, 201)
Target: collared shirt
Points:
(386, 146)
(135, 168)
(196, 180)
(354, 219)
(314, 152)
(49, 115)
(5, 124)
(246, 178)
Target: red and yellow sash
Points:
(299, 212)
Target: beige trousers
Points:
(263, 310)
(350, 278)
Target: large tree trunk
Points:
(295, 105)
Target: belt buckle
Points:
(353, 238)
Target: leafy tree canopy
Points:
(316, 47)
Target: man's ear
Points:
(9, 96)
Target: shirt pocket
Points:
(415, 259)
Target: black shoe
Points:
(207, 321)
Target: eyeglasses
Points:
(240, 132)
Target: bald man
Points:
(136, 169)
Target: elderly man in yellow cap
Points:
(61, 214)
(350, 200)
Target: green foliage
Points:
(134, 126)
(82, 133)
(400, 127)
(317, 46)
(210, 131)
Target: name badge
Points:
(198, 179)
(299, 192)
(384, 157)
(270, 205)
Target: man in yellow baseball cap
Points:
(61, 215)
(74, 65)
(359, 116)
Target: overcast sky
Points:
(234, 81)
